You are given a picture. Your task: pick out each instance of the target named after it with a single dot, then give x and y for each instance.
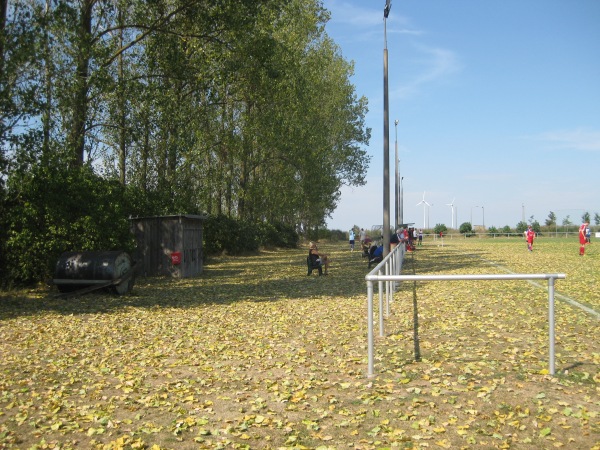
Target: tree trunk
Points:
(122, 112)
(80, 95)
(48, 74)
(3, 13)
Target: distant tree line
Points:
(550, 225)
(241, 109)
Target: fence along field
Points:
(255, 354)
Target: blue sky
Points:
(498, 108)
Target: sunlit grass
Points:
(256, 354)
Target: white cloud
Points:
(437, 64)
(347, 13)
(577, 139)
(368, 18)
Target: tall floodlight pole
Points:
(386, 138)
(483, 216)
(397, 187)
(401, 200)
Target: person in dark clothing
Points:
(375, 254)
(317, 257)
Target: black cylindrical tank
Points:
(77, 270)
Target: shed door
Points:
(192, 256)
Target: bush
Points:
(235, 237)
(55, 209)
(521, 227)
(465, 228)
(3, 231)
(440, 228)
(224, 234)
(278, 235)
(337, 235)
(322, 233)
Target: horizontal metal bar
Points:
(516, 276)
(371, 277)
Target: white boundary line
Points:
(566, 299)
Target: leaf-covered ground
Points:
(255, 354)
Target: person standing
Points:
(420, 236)
(363, 235)
(403, 235)
(396, 238)
(530, 236)
(582, 238)
(351, 239)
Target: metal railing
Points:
(487, 234)
(388, 272)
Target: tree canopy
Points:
(242, 108)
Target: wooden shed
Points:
(168, 245)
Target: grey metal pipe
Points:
(389, 276)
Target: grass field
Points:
(255, 354)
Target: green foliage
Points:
(465, 228)
(521, 227)
(19, 66)
(224, 234)
(4, 221)
(56, 210)
(535, 226)
(440, 228)
(186, 107)
(492, 230)
(551, 220)
(506, 229)
(586, 217)
(322, 233)
(278, 235)
(330, 235)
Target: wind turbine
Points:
(425, 205)
(451, 205)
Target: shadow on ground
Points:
(269, 276)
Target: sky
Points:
(498, 109)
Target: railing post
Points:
(370, 337)
(384, 275)
(380, 306)
(551, 322)
(388, 288)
